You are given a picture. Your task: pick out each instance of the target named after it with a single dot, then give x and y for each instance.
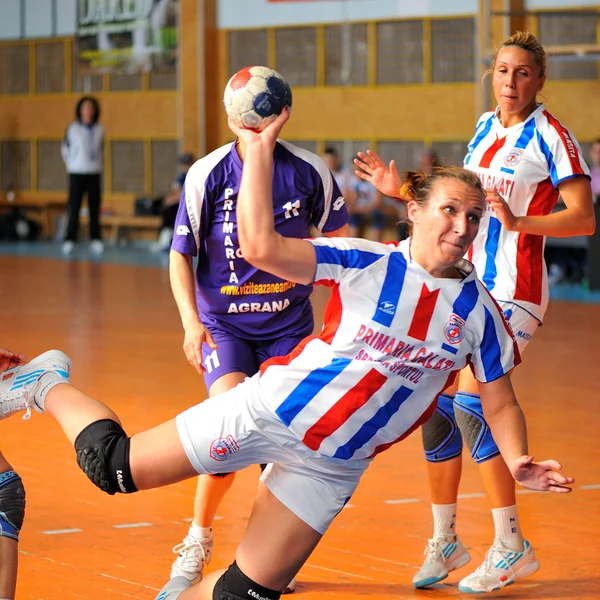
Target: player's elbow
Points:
(585, 221)
(256, 249)
(590, 225)
(258, 257)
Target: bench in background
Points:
(122, 228)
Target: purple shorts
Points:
(235, 355)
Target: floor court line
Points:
(62, 531)
(132, 361)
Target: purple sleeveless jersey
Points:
(231, 294)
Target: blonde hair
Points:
(418, 186)
(526, 41)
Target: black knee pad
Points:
(103, 455)
(234, 585)
(12, 505)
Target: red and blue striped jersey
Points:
(392, 339)
(525, 164)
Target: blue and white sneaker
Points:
(441, 557)
(19, 385)
(500, 568)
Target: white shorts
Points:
(522, 322)
(236, 429)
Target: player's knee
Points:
(234, 585)
(475, 430)
(103, 455)
(12, 505)
(441, 435)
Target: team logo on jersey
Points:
(513, 158)
(453, 330)
(389, 308)
(223, 448)
(182, 230)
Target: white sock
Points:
(508, 529)
(200, 533)
(174, 588)
(444, 520)
(47, 382)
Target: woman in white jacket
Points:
(82, 152)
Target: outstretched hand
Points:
(269, 134)
(383, 177)
(9, 359)
(540, 476)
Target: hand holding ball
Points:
(255, 96)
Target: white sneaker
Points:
(68, 247)
(96, 247)
(441, 557)
(194, 553)
(19, 385)
(500, 568)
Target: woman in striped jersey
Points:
(524, 158)
(403, 318)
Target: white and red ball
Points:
(255, 96)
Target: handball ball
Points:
(255, 96)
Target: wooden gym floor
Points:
(121, 328)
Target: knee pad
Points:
(475, 430)
(234, 585)
(12, 505)
(441, 435)
(103, 455)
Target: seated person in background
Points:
(428, 162)
(343, 177)
(171, 204)
(395, 216)
(365, 209)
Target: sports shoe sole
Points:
(523, 572)
(462, 561)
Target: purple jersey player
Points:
(234, 315)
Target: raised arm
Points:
(289, 258)
(385, 178)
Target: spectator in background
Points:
(428, 162)
(171, 204)
(595, 170)
(365, 207)
(343, 177)
(82, 151)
